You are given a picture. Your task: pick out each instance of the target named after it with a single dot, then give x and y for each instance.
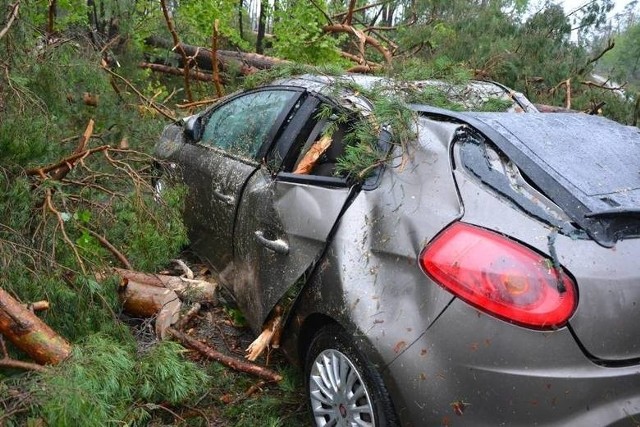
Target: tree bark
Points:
(30, 334)
(194, 289)
(247, 62)
(261, 26)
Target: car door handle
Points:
(278, 245)
(229, 200)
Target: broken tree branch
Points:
(610, 45)
(169, 115)
(67, 162)
(104, 242)
(362, 37)
(13, 14)
(270, 331)
(603, 85)
(230, 361)
(82, 146)
(30, 334)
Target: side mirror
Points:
(193, 128)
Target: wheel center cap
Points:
(343, 411)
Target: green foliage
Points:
(441, 68)
(495, 105)
(363, 152)
(300, 36)
(97, 385)
(195, 22)
(282, 71)
(165, 376)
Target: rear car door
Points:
(284, 221)
(235, 136)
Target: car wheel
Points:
(343, 387)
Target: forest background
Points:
(86, 87)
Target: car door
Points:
(234, 138)
(284, 221)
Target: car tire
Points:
(343, 387)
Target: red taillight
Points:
(500, 277)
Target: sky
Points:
(571, 5)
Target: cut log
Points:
(30, 334)
(230, 361)
(144, 300)
(199, 290)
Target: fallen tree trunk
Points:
(248, 63)
(230, 361)
(30, 334)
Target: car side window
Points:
(323, 148)
(242, 125)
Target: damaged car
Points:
(452, 268)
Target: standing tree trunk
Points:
(264, 4)
(240, 29)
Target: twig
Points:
(362, 37)
(358, 9)
(602, 86)
(58, 215)
(594, 110)
(186, 318)
(104, 242)
(67, 162)
(13, 14)
(18, 364)
(133, 88)
(610, 45)
(198, 103)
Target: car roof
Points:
(471, 95)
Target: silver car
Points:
(487, 273)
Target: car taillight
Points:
(500, 276)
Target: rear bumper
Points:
(501, 374)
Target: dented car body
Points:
(487, 277)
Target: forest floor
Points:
(233, 398)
